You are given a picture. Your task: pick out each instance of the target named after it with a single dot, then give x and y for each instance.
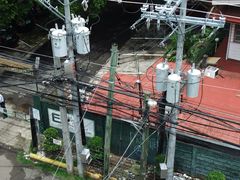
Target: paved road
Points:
(10, 169)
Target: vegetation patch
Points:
(46, 168)
(196, 44)
(216, 175)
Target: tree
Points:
(14, 11)
(94, 7)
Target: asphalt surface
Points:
(10, 169)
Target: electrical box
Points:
(85, 156)
(69, 67)
(163, 170)
(211, 71)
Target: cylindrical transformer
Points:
(78, 22)
(69, 67)
(82, 40)
(193, 81)
(162, 76)
(173, 88)
(59, 42)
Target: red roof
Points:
(219, 97)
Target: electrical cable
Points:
(189, 9)
(73, 135)
(191, 111)
(136, 148)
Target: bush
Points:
(216, 175)
(160, 158)
(50, 134)
(95, 144)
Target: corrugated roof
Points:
(219, 97)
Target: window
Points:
(237, 33)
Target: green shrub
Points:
(160, 158)
(95, 144)
(48, 145)
(216, 175)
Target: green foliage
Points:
(135, 169)
(195, 45)
(95, 144)
(96, 6)
(50, 134)
(160, 158)
(13, 10)
(216, 175)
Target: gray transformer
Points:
(173, 88)
(162, 75)
(193, 81)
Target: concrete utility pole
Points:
(76, 119)
(108, 126)
(162, 132)
(35, 140)
(167, 13)
(144, 152)
(75, 104)
(64, 120)
(179, 56)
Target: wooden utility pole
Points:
(144, 152)
(108, 126)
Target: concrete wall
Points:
(233, 47)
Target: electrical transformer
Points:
(82, 40)
(59, 41)
(162, 76)
(193, 81)
(173, 88)
(77, 21)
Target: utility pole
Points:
(76, 121)
(64, 120)
(179, 56)
(61, 52)
(144, 152)
(162, 122)
(176, 22)
(108, 126)
(35, 141)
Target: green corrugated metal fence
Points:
(191, 159)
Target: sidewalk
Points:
(15, 133)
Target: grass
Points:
(47, 168)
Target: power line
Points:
(189, 9)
